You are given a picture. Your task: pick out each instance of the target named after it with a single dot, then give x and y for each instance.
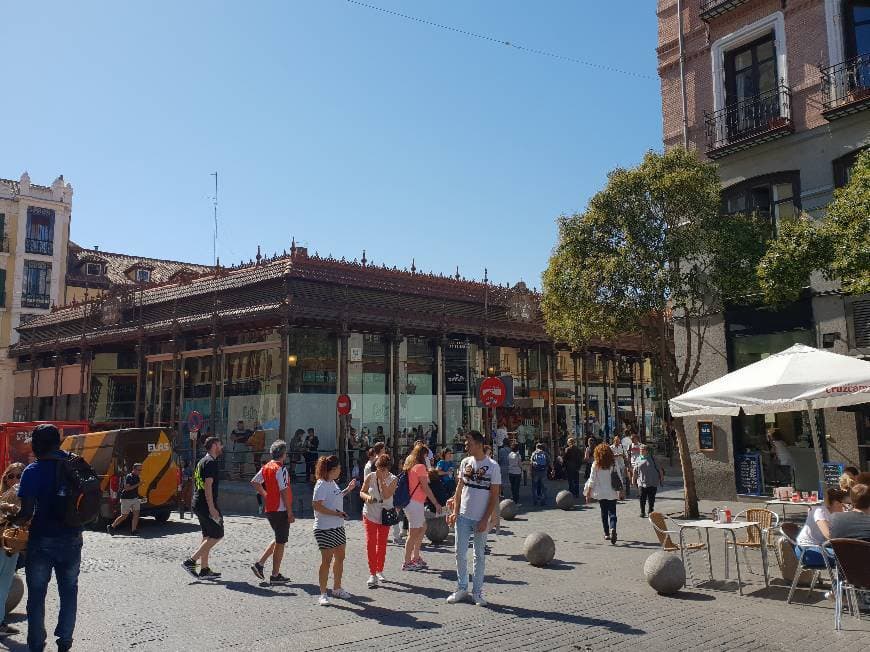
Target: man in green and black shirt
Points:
(205, 484)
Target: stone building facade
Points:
(778, 94)
(34, 232)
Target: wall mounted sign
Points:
(706, 441)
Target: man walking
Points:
(540, 465)
(272, 483)
(474, 502)
(205, 480)
(573, 460)
(129, 500)
(52, 545)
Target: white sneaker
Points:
(373, 581)
(324, 600)
(380, 577)
(341, 594)
(458, 596)
(479, 600)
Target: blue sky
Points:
(342, 126)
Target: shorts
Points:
(329, 539)
(280, 526)
(416, 515)
(129, 505)
(210, 528)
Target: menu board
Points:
(705, 435)
(833, 471)
(748, 474)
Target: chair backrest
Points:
(661, 529)
(765, 519)
(852, 557)
(791, 531)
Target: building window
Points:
(4, 242)
(844, 166)
(773, 196)
(2, 288)
(93, 269)
(39, 237)
(143, 275)
(750, 70)
(36, 292)
(857, 27)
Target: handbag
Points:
(389, 515)
(14, 539)
(615, 480)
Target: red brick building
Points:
(777, 92)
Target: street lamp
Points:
(490, 371)
(292, 359)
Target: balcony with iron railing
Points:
(37, 246)
(749, 122)
(846, 87)
(712, 8)
(32, 300)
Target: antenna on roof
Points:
(214, 239)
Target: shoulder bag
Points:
(389, 515)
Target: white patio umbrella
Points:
(799, 378)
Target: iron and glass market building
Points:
(274, 342)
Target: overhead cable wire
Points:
(499, 41)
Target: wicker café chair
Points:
(758, 537)
(664, 534)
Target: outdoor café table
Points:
(707, 524)
(806, 504)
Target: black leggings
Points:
(608, 515)
(647, 495)
(515, 486)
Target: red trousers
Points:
(376, 545)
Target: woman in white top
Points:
(619, 458)
(377, 495)
(599, 487)
(329, 516)
(817, 528)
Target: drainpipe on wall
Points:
(682, 74)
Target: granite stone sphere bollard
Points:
(16, 593)
(508, 509)
(437, 529)
(565, 500)
(539, 548)
(665, 572)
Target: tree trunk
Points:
(690, 507)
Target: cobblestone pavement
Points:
(134, 595)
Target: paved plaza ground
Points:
(134, 595)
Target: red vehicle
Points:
(15, 439)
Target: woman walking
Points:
(377, 496)
(418, 487)
(648, 476)
(515, 472)
(619, 457)
(600, 487)
(329, 516)
(9, 506)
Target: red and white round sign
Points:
(342, 404)
(492, 392)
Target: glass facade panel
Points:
(418, 383)
(368, 371)
(313, 384)
(463, 365)
(113, 391)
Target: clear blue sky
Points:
(342, 126)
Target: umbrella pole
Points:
(817, 444)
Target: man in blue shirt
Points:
(52, 544)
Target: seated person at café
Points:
(854, 524)
(817, 529)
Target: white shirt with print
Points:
(477, 479)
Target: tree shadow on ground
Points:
(554, 616)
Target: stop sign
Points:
(492, 392)
(342, 404)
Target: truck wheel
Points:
(163, 516)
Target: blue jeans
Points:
(539, 491)
(7, 572)
(63, 555)
(465, 529)
(608, 515)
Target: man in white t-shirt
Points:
(475, 500)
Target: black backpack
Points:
(83, 492)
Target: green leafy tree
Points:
(652, 251)
(838, 245)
